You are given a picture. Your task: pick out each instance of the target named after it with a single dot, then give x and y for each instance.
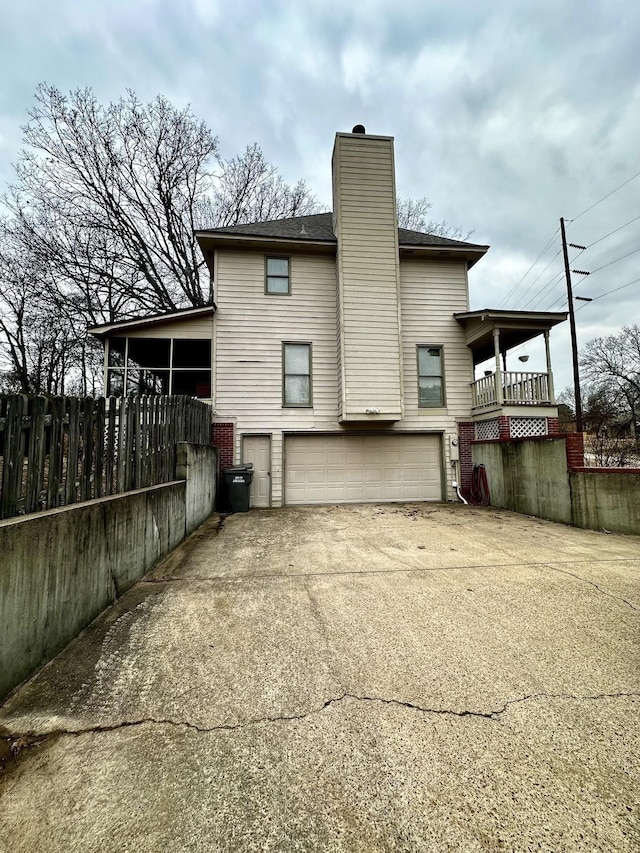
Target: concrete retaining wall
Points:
(197, 464)
(528, 476)
(606, 500)
(59, 569)
(532, 477)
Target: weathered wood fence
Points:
(61, 450)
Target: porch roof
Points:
(515, 327)
(139, 322)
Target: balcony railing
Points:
(518, 389)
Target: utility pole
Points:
(572, 323)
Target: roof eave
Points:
(260, 238)
(472, 254)
(138, 322)
(497, 314)
(515, 328)
(252, 242)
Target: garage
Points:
(362, 468)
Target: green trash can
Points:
(238, 482)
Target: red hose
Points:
(479, 486)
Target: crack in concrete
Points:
(16, 742)
(555, 568)
(409, 570)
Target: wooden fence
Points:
(61, 450)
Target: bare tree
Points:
(101, 224)
(613, 365)
(413, 214)
(40, 342)
(610, 371)
(249, 189)
(128, 177)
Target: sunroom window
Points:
(159, 366)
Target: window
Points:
(296, 375)
(277, 275)
(159, 366)
(430, 377)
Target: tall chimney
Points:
(365, 225)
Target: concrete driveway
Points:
(354, 678)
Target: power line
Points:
(550, 285)
(545, 249)
(552, 282)
(615, 290)
(538, 278)
(593, 272)
(518, 283)
(604, 266)
(612, 232)
(539, 293)
(586, 210)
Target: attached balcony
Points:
(491, 334)
(512, 388)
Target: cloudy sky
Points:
(507, 115)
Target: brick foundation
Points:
(222, 438)
(466, 434)
(504, 428)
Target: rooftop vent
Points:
(359, 128)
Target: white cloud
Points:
(507, 115)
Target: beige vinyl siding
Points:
(365, 218)
(431, 292)
(250, 329)
(198, 327)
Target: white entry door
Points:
(257, 449)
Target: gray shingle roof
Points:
(316, 227)
(320, 227)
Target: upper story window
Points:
(277, 278)
(159, 366)
(296, 375)
(430, 377)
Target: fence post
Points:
(55, 452)
(129, 444)
(121, 461)
(87, 407)
(111, 459)
(13, 455)
(98, 431)
(36, 454)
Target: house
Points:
(339, 353)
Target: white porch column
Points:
(552, 396)
(498, 373)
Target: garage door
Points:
(360, 468)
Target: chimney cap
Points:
(359, 128)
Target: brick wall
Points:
(504, 428)
(466, 434)
(575, 449)
(222, 438)
(553, 426)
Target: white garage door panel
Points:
(365, 468)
